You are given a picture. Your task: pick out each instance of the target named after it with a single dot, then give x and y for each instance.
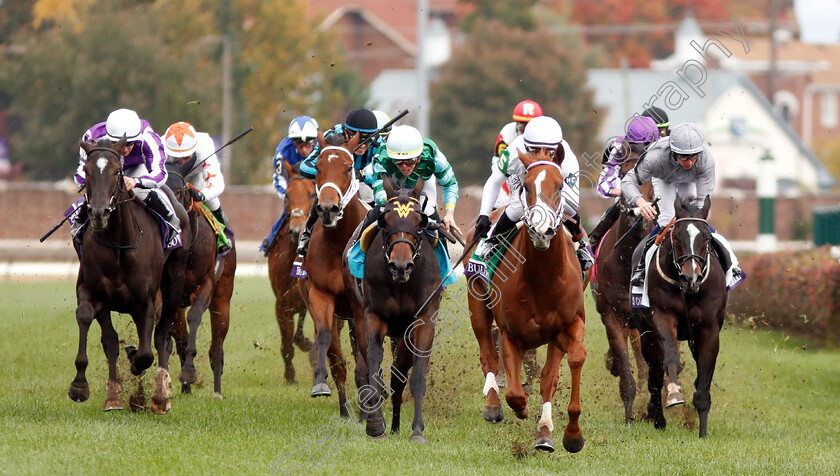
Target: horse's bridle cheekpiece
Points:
(344, 196)
(403, 210)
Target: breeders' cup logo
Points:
(571, 180)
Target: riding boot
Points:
(78, 223)
(154, 202)
(502, 227)
(607, 221)
(222, 241)
(583, 252)
(638, 276)
(303, 242)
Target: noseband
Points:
(113, 203)
(679, 261)
(555, 215)
(403, 210)
(344, 196)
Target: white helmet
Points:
(179, 140)
(382, 119)
(543, 132)
(687, 139)
(404, 143)
(304, 128)
(123, 122)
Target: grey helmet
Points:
(687, 139)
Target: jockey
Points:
(358, 120)
(409, 156)
(182, 145)
(541, 133)
(683, 165)
(143, 166)
(661, 119)
(641, 132)
(294, 149)
(522, 113)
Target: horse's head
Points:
(300, 195)
(335, 181)
(543, 185)
(691, 243)
(402, 224)
(103, 179)
(176, 171)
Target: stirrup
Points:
(638, 277)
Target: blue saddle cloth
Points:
(356, 261)
(269, 240)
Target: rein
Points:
(678, 261)
(114, 203)
(388, 244)
(345, 196)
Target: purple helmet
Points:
(642, 129)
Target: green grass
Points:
(774, 408)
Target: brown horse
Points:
(123, 268)
(401, 272)
(612, 296)
(324, 291)
(687, 291)
(300, 195)
(208, 283)
(541, 302)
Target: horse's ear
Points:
(381, 223)
(418, 188)
(86, 146)
(322, 142)
(424, 221)
(707, 204)
(680, 210)
(352, 143)
(388, 185)
(526, 158)
(120, 144)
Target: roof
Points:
(825, 58)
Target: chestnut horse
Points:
(123, 268)
(688, 295)
(324, 291)
(612, 296)
(208, 283)
(300, 195)
(541, 302)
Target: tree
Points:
(498, 67)
(516, 13)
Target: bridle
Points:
(346, 195)
(678, 261)
(297, 212)
(555, 215)
(113, 203)
(402, 210)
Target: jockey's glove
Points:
(196, 195)
(482, 225)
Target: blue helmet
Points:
(304, 128)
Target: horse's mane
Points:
(397, 183)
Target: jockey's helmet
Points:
(658, 115)
(526, 110)
(404, 143)
(179, 140)
(543, 132)
(304, 128)
(360, 120)
(642, 129)
(382, 119)
(687, 139)
(123, 122)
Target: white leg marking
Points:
(490, 382)
(545, 419)
(674, 388)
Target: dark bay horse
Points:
(612, 296)
(687, 290)
(401, 272)
(324, 291)
(541, 302)
(208, 283)
(300, 195)
(123, 268)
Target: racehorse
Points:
(324, 291)
(123, 268)
(540, 303)
(300, 195)
(612, 296)
(208, 283)
(687, 292)
(400, 272)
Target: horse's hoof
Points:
(573, 445)
(78, 393)
(526, 387)
(320, 390)
(303, 343)
(218, 395)
(674, 399)
(186, 389)
(417, 439)
(376, 428)
(289, 375)
(493, 414)
(187, 376)
(160, 406)
(521, 414)
(501, 381)
(112, 404)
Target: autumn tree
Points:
(498, 67)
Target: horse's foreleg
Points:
(180, 335)
(161, 403)
(572, 341)
(403, 359)
(321, 307)
(708, 345)
(358, 336)
(423, 337)
(652, 352)
(666, 328)
(141, 357)
(111, 346)
(370, 397)
(641, 365)
(481, 319)
(202, 300)
(79, 389)
(548, 385)
(618, 362)
(286, 323)
(219, 325)
(338, 368)
(515, 395)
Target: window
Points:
(828, 109)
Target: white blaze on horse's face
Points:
(541, 214)
(693, 233)
(102, 162)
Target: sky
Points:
(819, 20)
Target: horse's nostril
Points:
(408, 268)
(392, 267)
